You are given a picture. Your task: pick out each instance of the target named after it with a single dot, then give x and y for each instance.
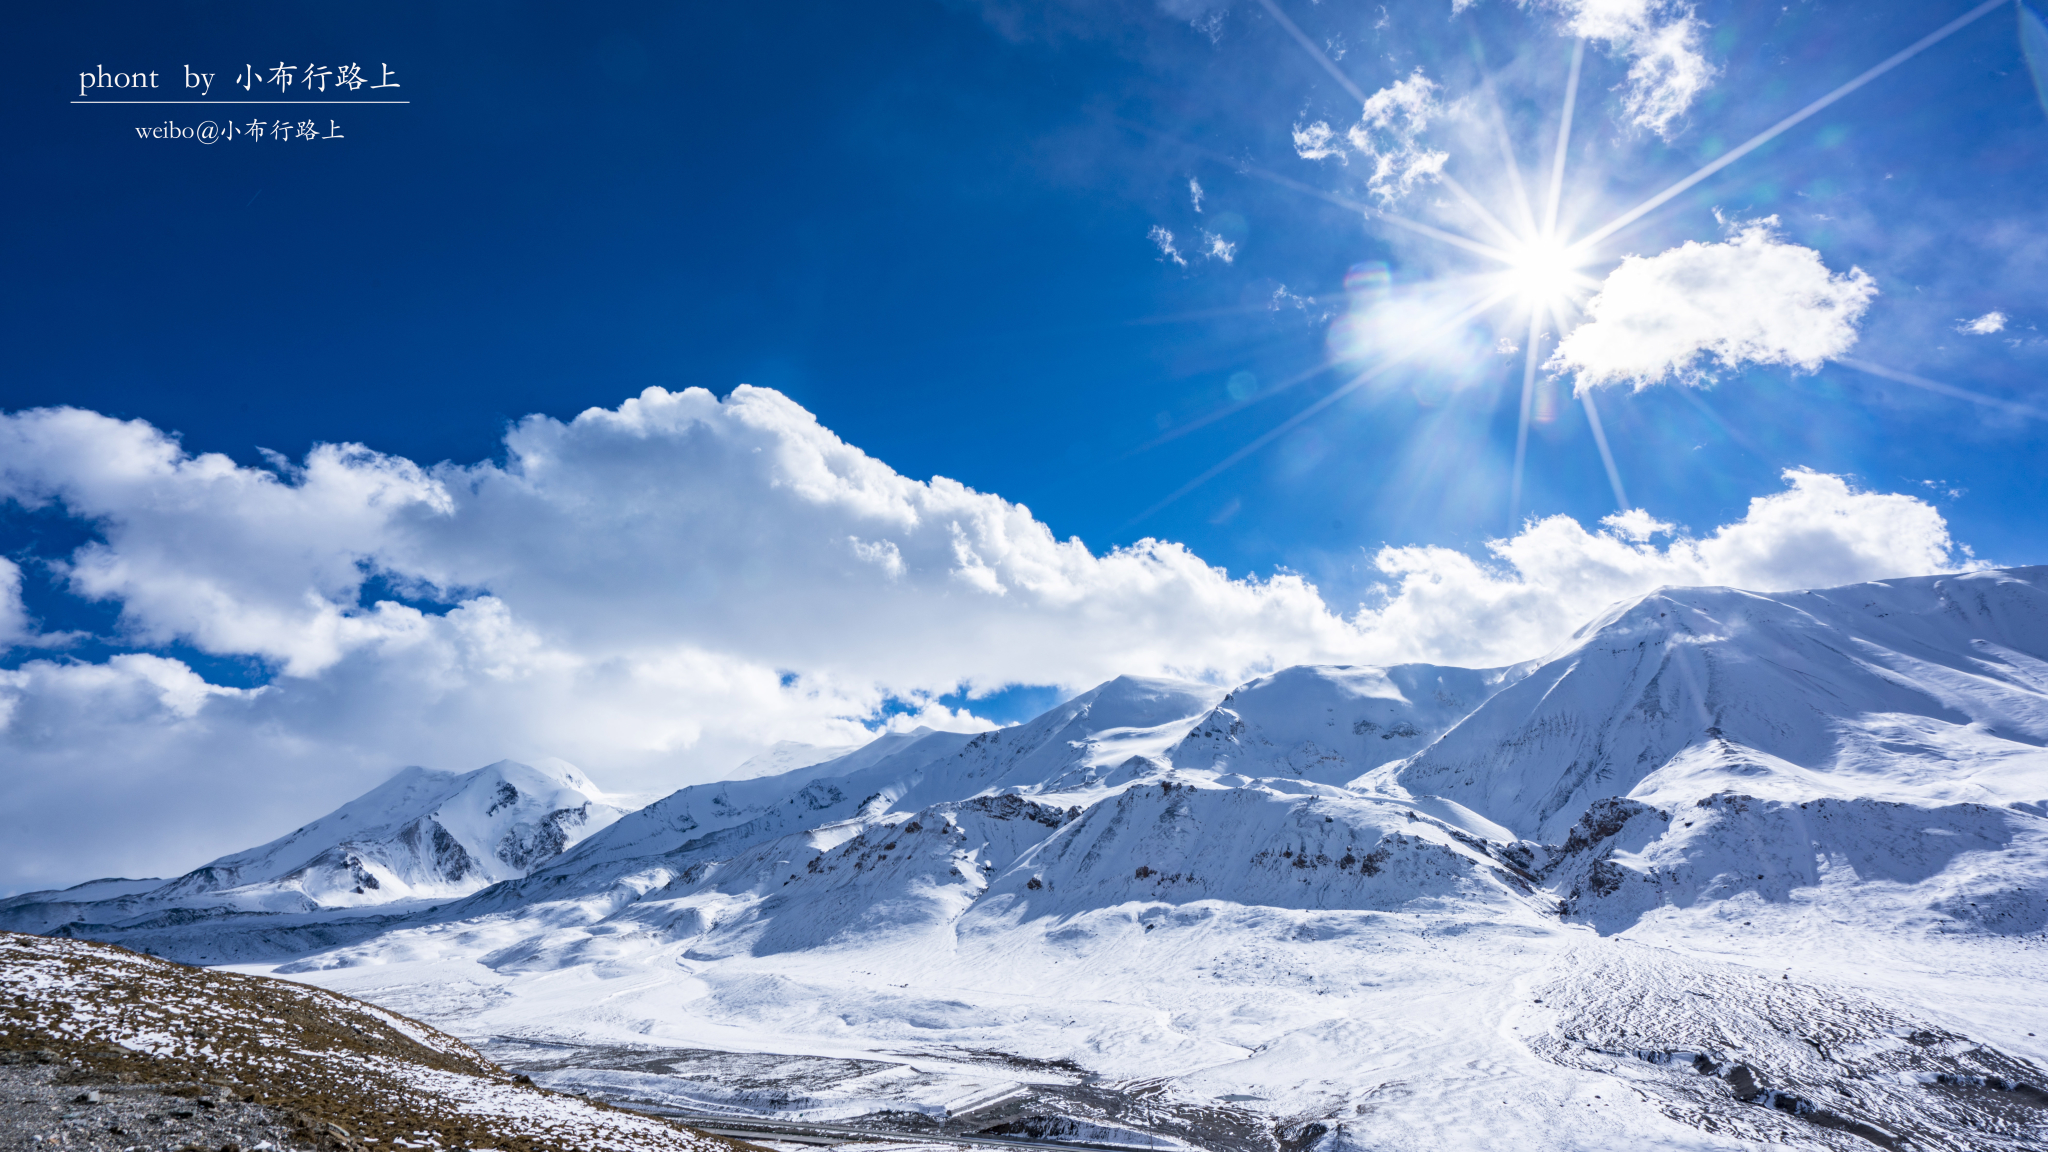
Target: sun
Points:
(1543, 272)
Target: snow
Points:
(1412, 907)
(1925, 690)
(1331, 724)
(787, 756)
(421, 836)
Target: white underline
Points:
(330, 103)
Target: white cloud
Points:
(1387, 137)
(1661, 39)
(883, 554)
(1317, 141)
(1217, 248)
(1447, 607)
(14, 623)
(1983, 325)
(656, 591)
(1164, 239)
(234, 558)
(1754, 299)
(1195, 192)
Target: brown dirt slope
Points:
(350, 1075)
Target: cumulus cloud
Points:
(657, 591)
(1661, 39)
(1984, 325)
(1217, 248)
(1754, 299)
(1195, 192)
(1447, 607)
(1387, 137)
(652, 592)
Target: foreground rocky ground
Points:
(65, 1105)
(103, 1048)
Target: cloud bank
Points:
(658, 590)
(1754, 299)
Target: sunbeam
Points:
(1939, 388)
(1564, 139)
(1606, 454)
(1265, 393)
(1528, 408)
(1315, 53)
(1336, 394)
(1781, 127)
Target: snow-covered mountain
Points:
(421, 835)
(1331, 724)
(1109, 735)
(1919, 691)
(1727, 869)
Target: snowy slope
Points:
(1330, 724)
(788, 756)
(421, 835)
(1970, 867)
(1932, 690)
(1094, 741)
(1728, 869)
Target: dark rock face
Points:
(439, 850)
(1013, 807)
(1604, 878)
(1603, 820)
(818, 797)
(451, 859)
(506, 797)
(528, 844)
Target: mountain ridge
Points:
(1827, 804)
(421, 835)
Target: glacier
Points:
(1727, 869)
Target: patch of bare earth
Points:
(226, 1060)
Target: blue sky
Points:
(942, 229)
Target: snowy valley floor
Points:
(1224, 1027)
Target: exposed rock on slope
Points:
(352, 1073)
(1986, 865)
